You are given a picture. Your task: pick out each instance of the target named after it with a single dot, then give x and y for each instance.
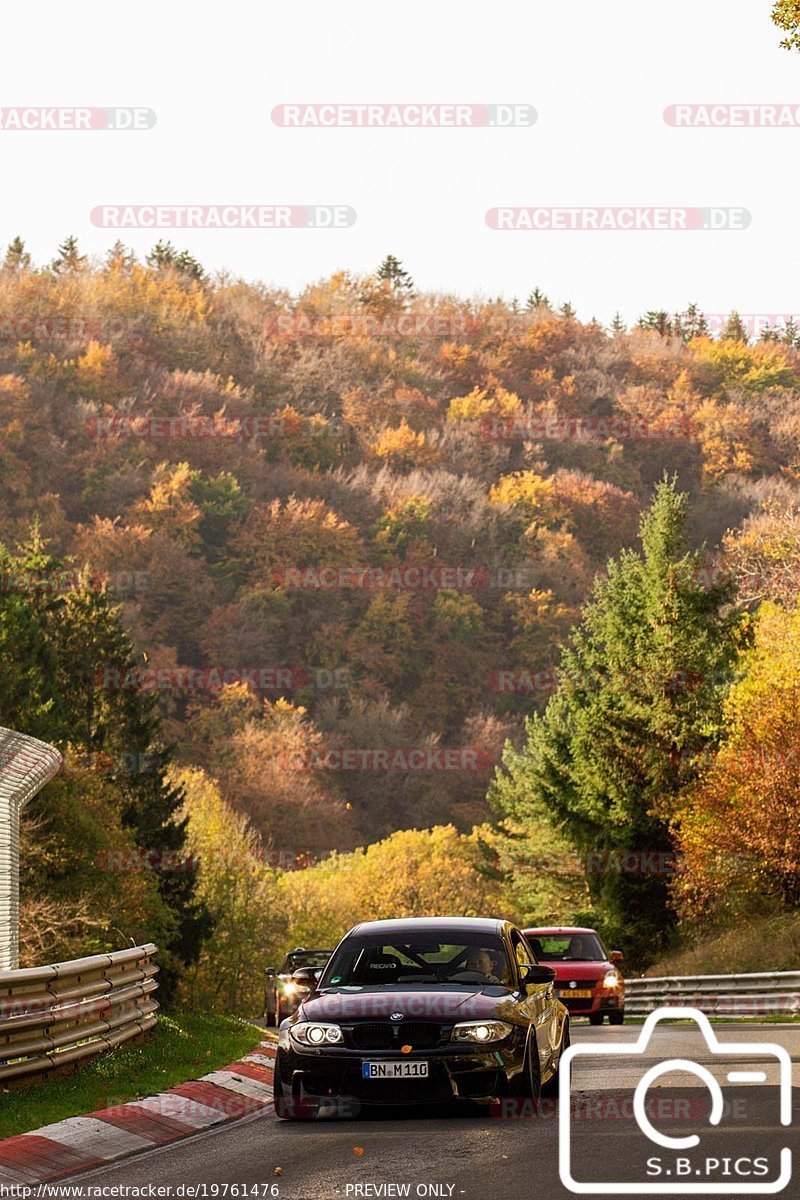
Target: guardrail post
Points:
(26, 765)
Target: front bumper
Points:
(602, 1000)
(455, 1073)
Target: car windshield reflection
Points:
(582, 947)
(472, 961)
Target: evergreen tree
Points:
(71, 677)
(17, 257)
(164, 256)
(791, 334)
(658, 321)
(393, 274)
(536, 299)
(734, 330)
(567, 310)
(69, 259)
(120, 257)
(27, 699)
(691, 324)
(642, 681)
(618, 326)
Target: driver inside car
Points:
(579, 950)
(479, 962)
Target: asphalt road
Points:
(476, 1154)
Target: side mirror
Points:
(270, 972)
(534, 973)
(616, 956)
(306, 976)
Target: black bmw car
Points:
(421, 1011)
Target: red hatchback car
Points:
(587, 979)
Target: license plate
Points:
(576, 994)
(394, 1070)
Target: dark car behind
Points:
(283, 990)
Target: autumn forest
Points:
(367, 602)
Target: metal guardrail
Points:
(26, 765)
(764, 994)
(52, 1017)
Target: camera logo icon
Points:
(692, 1144)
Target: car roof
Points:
(433, 925)
(558, 929)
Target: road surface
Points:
(475, 1154)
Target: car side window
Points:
(522, 953)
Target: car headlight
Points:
(612, 979)
(314, 1033)
(481, 1032)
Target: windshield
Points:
(565, 947)
(464, 960)
(306, 958)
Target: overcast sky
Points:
(599, 74)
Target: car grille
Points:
(383, 1036)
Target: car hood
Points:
(420, 1004)
(578, 970)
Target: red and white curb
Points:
(79, 1143)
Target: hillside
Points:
(349, 532)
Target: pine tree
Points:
(27, 699)
(642, 682)
(17, 257)
(693, 323)
(734, 330)
(791, 333)
(120, 257)
(392, 273)
(70, 677)
(69, 259)
(536, 299)
(658, 321)
(567, 311)
(164, 256)
(618, 326)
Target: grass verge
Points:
(182, 1046)
(769, 943)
